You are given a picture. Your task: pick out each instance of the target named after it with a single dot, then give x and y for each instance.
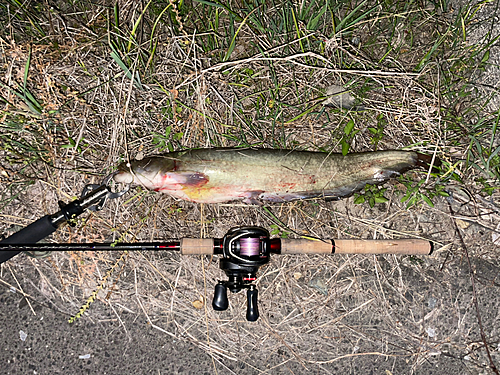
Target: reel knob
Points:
(220, 301)
(252, 308)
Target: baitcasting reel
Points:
(244, 250)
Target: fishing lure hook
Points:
(113, 195)
(91, 189)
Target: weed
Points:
(372, 194)
(349, 134)
(167, 141)
(377, 134)
(276, 231)
(419, 191)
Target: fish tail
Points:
(425, 161)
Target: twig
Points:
(206, 312)
(292, 59)
(21, 289)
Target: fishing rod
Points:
(243, 249)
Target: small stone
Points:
(462, 224)
(430, 331)
(495, 236)
(319, 284)
(432, 302)
(339, 97)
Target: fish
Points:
(255, 176)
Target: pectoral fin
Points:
(252, 197)
(195, 179)
(187, 179)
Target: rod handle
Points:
(402, 247)
(31, 234)
(409, 246)
(195, 246)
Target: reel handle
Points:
(220, 301)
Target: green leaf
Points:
(136, 25)
(168, 129)
(406, 197)
(486, 57)
(128, 72)
(312, 24)
(360, 199)
(345, 147)
(71, 144)
(211, 3)
(381, 199)
(426, 199)
(412, 201)
(348, 128)
(371, 202)
(233, 41)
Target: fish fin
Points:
(252, 197)
(255, 202)
(123, 177)
(196, 179)
(288, 197)
(346, 191)
(190, 179)
(332, 199)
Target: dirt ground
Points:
(338, 314)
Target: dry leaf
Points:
(462, 224)
(198, 304)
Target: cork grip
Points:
(305, 247)
(405, 246)
(194, 246)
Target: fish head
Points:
(161, 173)
(148, 172)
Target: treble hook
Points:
(95, 191)
(112, 194)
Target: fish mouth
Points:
(123, 177)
